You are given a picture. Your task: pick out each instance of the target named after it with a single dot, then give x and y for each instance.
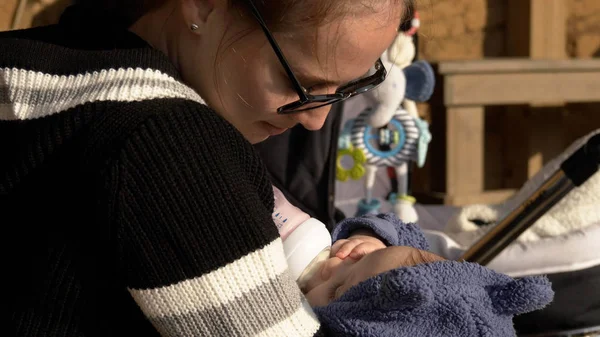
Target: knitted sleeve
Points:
(198, 248)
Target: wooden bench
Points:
(468, 87)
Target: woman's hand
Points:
(359, 244)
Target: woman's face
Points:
(236, 71)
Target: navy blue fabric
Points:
(387, 226)
(445, 298)
(420, 79)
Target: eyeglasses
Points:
(307, 101)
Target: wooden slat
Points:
(527, 88)
(537, 29)
(548, 39)
(515, 65)
(465, 150)
(487, 197)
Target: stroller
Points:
(570, 259)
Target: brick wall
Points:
(584, 28)
(472, 29)
(461, 29)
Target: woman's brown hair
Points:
(279, 14)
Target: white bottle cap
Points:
(306, 242)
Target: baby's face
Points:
(336, 276)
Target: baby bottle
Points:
(306, 240)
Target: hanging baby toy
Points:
(390, 133)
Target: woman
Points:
(136, 208)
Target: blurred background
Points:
(516, 83)
(487, 139)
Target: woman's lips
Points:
(273, 130)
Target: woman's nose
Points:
(313, 120)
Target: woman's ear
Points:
(197, 13)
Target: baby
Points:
(368, 289)
(336, 275)
(363, 286)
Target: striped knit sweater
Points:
(165, 229)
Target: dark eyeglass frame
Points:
(345, 91)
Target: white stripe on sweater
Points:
(228, 282)
(259, 279)
(28, 94)
(303, 320)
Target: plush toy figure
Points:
(391, 93)
(390, 133)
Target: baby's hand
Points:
(361, 243)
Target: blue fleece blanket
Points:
(439, 299)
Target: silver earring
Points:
(194, 26)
